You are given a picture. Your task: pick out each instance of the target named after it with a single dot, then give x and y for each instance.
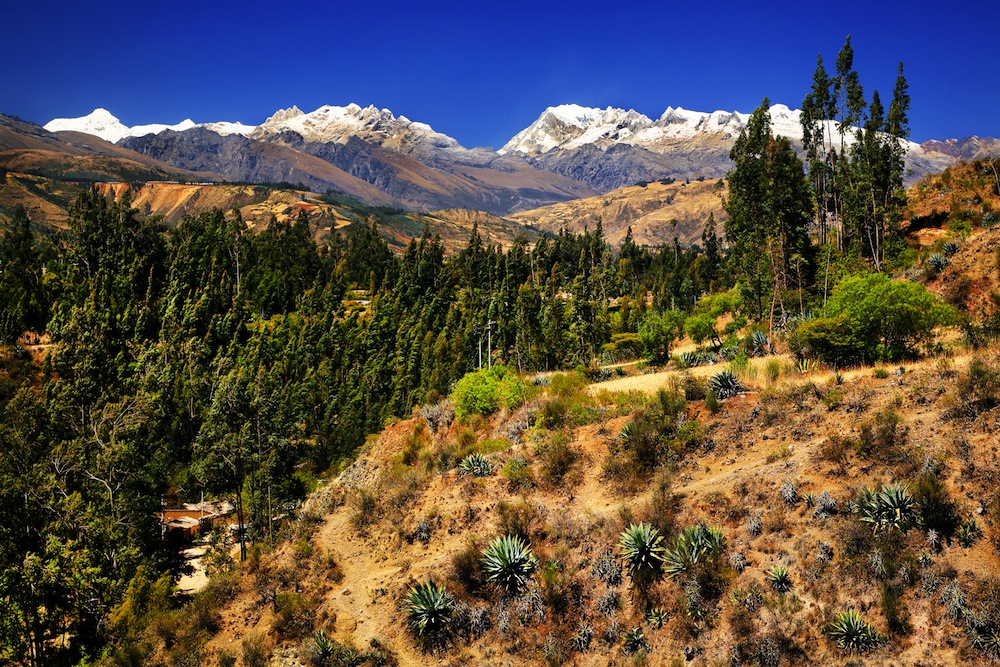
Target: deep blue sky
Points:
(481, 72)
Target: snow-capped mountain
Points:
(570, 127)
(333, 124)
(101, 123)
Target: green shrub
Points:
(658, 332)
(519, 475)
(557, 458)
(516, 518)
(482, 392)
(871, 317)
(293, 614)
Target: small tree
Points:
(658, 332)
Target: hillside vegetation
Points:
(775, 449)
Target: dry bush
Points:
(516, 519)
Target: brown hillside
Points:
(657, 213)
(384, 525)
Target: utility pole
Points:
(489, 343)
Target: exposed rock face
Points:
(237, 158)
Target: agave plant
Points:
(953, 598)
(656, 617)
(789, 493)
(984, 631)
(642, 552)
(759, 343)
(779, 579)
(755, 525)
(634, 641)
(949, 248)
(890, 508)
(508, 562)
(938, 262)
(852, 633)
(724, 384)
(476, 465)
(693, 545)
(607, 569)
(968, 533)
(824, 554)
(582, 637)
(324, 648)
(689, 359)
(429, 609)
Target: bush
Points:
(871, 317)
(482, 392)
(293, 614)
(557, 459)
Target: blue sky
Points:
(481, 72)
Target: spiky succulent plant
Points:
(694, 544)
(724, 384)
(968, 533)
(508, 562)
(890, 508)
(938, 262)
(642, 553)
(429, 609)
(634, 641)
(779, 579)
(949, 248)
(852, 633)
(477, 465)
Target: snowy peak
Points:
(572, 126)
(334, 124)
(100, 123)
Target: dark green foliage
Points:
(779, 579)
(770, 207)
(634, 641)
(653, 437)
(693, 548)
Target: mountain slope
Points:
(657, 213)
(240, 159)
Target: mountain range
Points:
(558, 172)
(569, 152)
